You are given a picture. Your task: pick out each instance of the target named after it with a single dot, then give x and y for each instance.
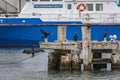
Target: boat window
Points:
(99, 7)
(44, 0)
(34, 0)
(27, 0)
(89, 7)
(69, 6)
(56, 0)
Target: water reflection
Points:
(78, 75)
(36, 68)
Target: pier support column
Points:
(62, 33)
(86, 46)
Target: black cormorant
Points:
(75, 37)
(45, 34)
(105, 34)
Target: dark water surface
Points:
(15, 65)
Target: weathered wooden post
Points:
(62, 33)
(86, 46)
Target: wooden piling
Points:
(53, 61)
(63, 60)
(86, 47)
(61, 33)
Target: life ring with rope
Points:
(81, 7)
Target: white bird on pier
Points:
(113, 37)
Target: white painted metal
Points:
(110, 12)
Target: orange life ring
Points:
(81, 7)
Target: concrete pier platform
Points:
(89, 51)
(106, 53)
(71, 45)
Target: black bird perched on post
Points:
(75, 37)
(45, 34)
(33, 51)
(105, 35)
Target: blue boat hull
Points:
(30, 35)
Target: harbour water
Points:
(15, 65)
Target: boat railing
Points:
(84, 17)
(8, 15)
(101, 18)
(16, 15)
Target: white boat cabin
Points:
(89, 11)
